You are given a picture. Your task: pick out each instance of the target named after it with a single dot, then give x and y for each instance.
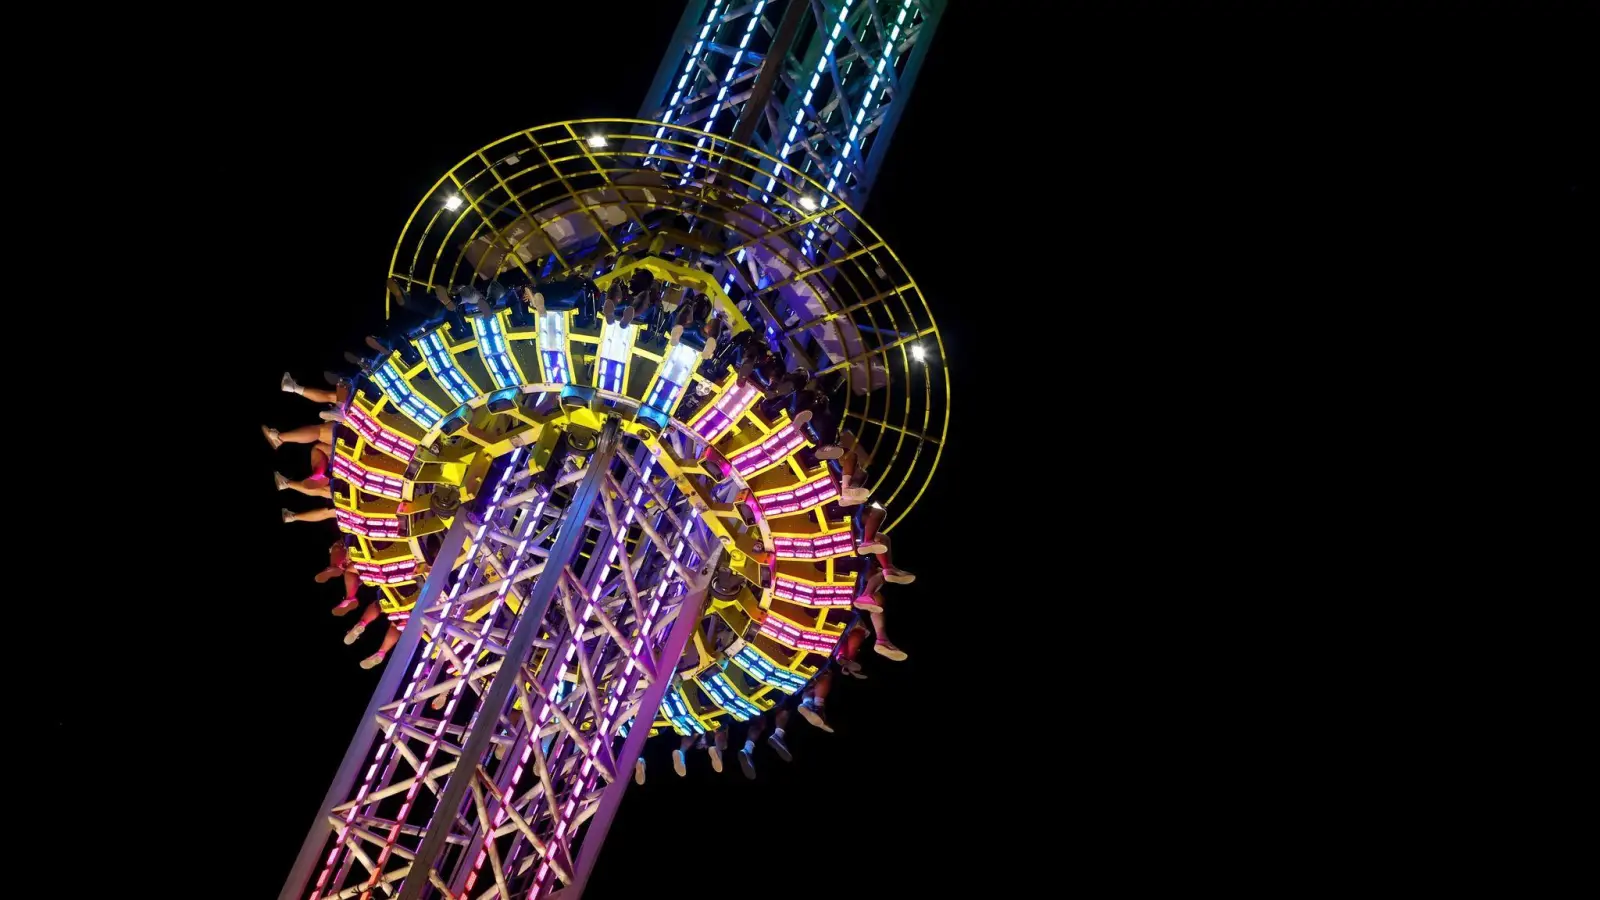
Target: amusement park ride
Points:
(543, 494)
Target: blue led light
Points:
(444, 368)
(400, 394)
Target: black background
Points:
(1167, 249)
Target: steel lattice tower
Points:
(559, 600)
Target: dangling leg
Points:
(719, 746)
(775, 739)
(368, 616)
(390, 638)
(811, 706)
(307, 434)
(316, 515)
(883, 646)
(352, 583)
(680, 756)
(847, 652)
(745, 753)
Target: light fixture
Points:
(597, 140)
(808, 204)
(917, 352)
(452, 203)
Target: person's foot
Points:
(853, 496)
(354, 360)
(898, 576)
(334, 379)
(279, 480)
(608, 309)
(287, 516)
(676, 336)
(828, 451)
(376, 345)
(782, 749)
(813, 714)
(626, 318)
(747, 764)
(871, 547)
(801, 418)
(716, 757)
(868, 602)
(679, 763)
(710, 349)
(288, 384)
(328, 574)
(374, 660)
(638, 771)
(345, 606)
(884, 648)
(538, 304)
(439, 700)
(354, 634)
(271, 435)
(852, 668)
(332, 415)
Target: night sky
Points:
(1129, 227)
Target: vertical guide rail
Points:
(529, 622)
(594, 836)
(394, 671)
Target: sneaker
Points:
(279, 480)
(376, 345)
(676, 336)
(679, 763)
(345, 606)
(287, 516)
(354, 360)
(747, 765)
(898, 576)
(828, 451)
(332, 415)
(716, 757)
(778, 746)
(884, 648)
(537, 301)
(710, 349)
(438, 702)
(626, 318)
(328, 574)
(814, 715)
(638, 771)
(871, 548)
(354, 634)
(852, 668)
(801, 418)
(334, 379)
(272, 437)
(288, 384)
(868, 602)
(853, 496)
(374, 660)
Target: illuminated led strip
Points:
(444, 368)
(722, 93)
(494, 350)
(724, 695)
(671, 378)
(374, 433)
(714, 420)
(387, 573)
(817, 546)
(764, 670)
(813, 493)
(791, 635)
(380, 483)
(623, 686)
(400, 394)
(368, 526)
(768, 453)
(676, 709)
(816, 78)
(418, 675)
(688, 70)
(811, 593)
(616, 341)
(553, 347)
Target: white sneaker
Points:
(679, 763)
(289, 385)
(279, 480)
(374, 660)
(898, 576)
(332, 415)
(638, 771)
(871, 547)
(884, 648)
(852, 668)
(853, 496)
(716, 758)
(828, 451)
(354, 634)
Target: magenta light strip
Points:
(822, 546)
(775, 448)
(419, 674)
(715, 420)
(387, 573)
(813, 594)
(368, 480)
(815, 492)
(785, 632)
(368, 527)
(378, 436)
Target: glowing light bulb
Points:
(452, 203)
(596, 140)
(917, 353)
(808, 204)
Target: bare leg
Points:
(311, 487)
(368, 615)
(317, 395)
(883, 646)
(680, 755)
(316, 515)
(308, 434)
(390, 638)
